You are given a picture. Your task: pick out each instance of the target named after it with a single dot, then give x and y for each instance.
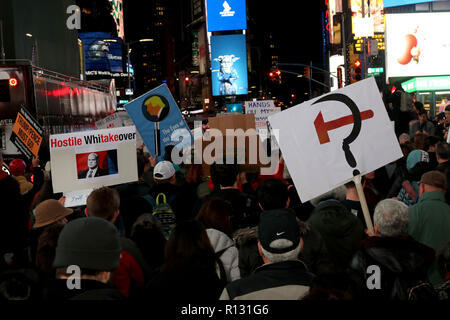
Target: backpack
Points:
(163, 211)
(406, 102)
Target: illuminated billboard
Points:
(229, 65)
(395, 3)
(101, 51)
(417, 44)
(376, 13)
(223, 15)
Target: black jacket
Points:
(57, 290)
(403, 263)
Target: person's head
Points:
(338, 193)
(92, 161)
(433, 181)
(416, 156)
(404, 137)
(90, 243)
(50, 212)
(164, 172)
(419, 141)
(17, 167)
(443, 259)
(391, 218)
(188, 245)
(440, 118)
(423, 116)
(418, 107)
(442, 152)
(103, 203)
(273, 194)
(430, 143)
(45, 253)
(224, 175)
(447, 113)
(279, 237)
(215, 213)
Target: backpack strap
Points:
(150, 200)
(160, 195)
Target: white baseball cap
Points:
(163, 170)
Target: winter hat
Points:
(48, 212)
(17, 167)
(275, 226)
(435, 179)
(163, 170)
(415, 157)
(90, 243)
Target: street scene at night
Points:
(185, 155)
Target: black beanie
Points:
(89, 243)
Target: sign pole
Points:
(362, 200)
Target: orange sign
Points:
(29, 136)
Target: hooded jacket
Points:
(341, 231)
(403, 263)
(230, 256)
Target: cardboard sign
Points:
(27, 134)
(92, 159)
(156, 116)
(328, 140)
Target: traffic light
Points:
(275, 75)
(13, 82)
(306, 72)
(187, 79)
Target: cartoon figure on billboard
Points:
(227, 74)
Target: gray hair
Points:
(392, 218)
(338, 193)
(278, 257)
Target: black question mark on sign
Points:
(356, 125)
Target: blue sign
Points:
(101, 51)
(234, 107)
(223, 15)
(229, 65)
(156, 116)
(395, 3)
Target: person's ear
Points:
(421, 189)
(259, 204)
(116, 214)
(288, 202)
(85, 212)
(173, 180)
(260, 251)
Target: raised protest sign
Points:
(329, 140)
(27, 134)
(262, 110)
(77, 198)
(92, 159)
(156, 116)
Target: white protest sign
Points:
(92, 159)
(76, 198)
(328, 140)
(262, 110)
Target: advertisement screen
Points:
(395, 3)
(101, 51)
(376, 13)
(229, 65)
(223, 15)
(417, 44)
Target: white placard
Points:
(318, 165)
(92, 159)
(76, 198)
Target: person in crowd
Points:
(403, 138)
(282, 276)
(429, 219)
(419, 141)
(422, 126)
(400, 173)
(443, 262)
(440, 126)
(17, 167)
(302, 210)
(190, 267)
(94, 170)
(274, 194)
(442, 157)
(130, 277)
(215, 216)
(149, 238)
(92, 244)
(430, 147)
(417, 164)
(402, 261)
(340, 229)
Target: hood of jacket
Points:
(219, 240)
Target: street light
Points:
(128, 57)
(36, 53)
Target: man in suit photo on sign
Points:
(94, 169)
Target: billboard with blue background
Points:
(229, 65)
(156, 116)
(101, 51)
(223, 15)
(395, 3)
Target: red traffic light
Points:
(270, 74)
(186, 79)
(13, 82)
(278, 72)
(357, 63)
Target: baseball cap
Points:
(415, 157)
(276, 225)
(163, 170)
(435, 179)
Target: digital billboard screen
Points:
(101, 51)
(396, 3)
(229, 65)
(223, 15)
(417, 44)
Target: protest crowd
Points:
(183, 233)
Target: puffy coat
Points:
(230, 257)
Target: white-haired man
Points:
(402, 262)
(282, 276)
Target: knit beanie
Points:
(90, 243)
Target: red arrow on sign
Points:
(323, 127)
